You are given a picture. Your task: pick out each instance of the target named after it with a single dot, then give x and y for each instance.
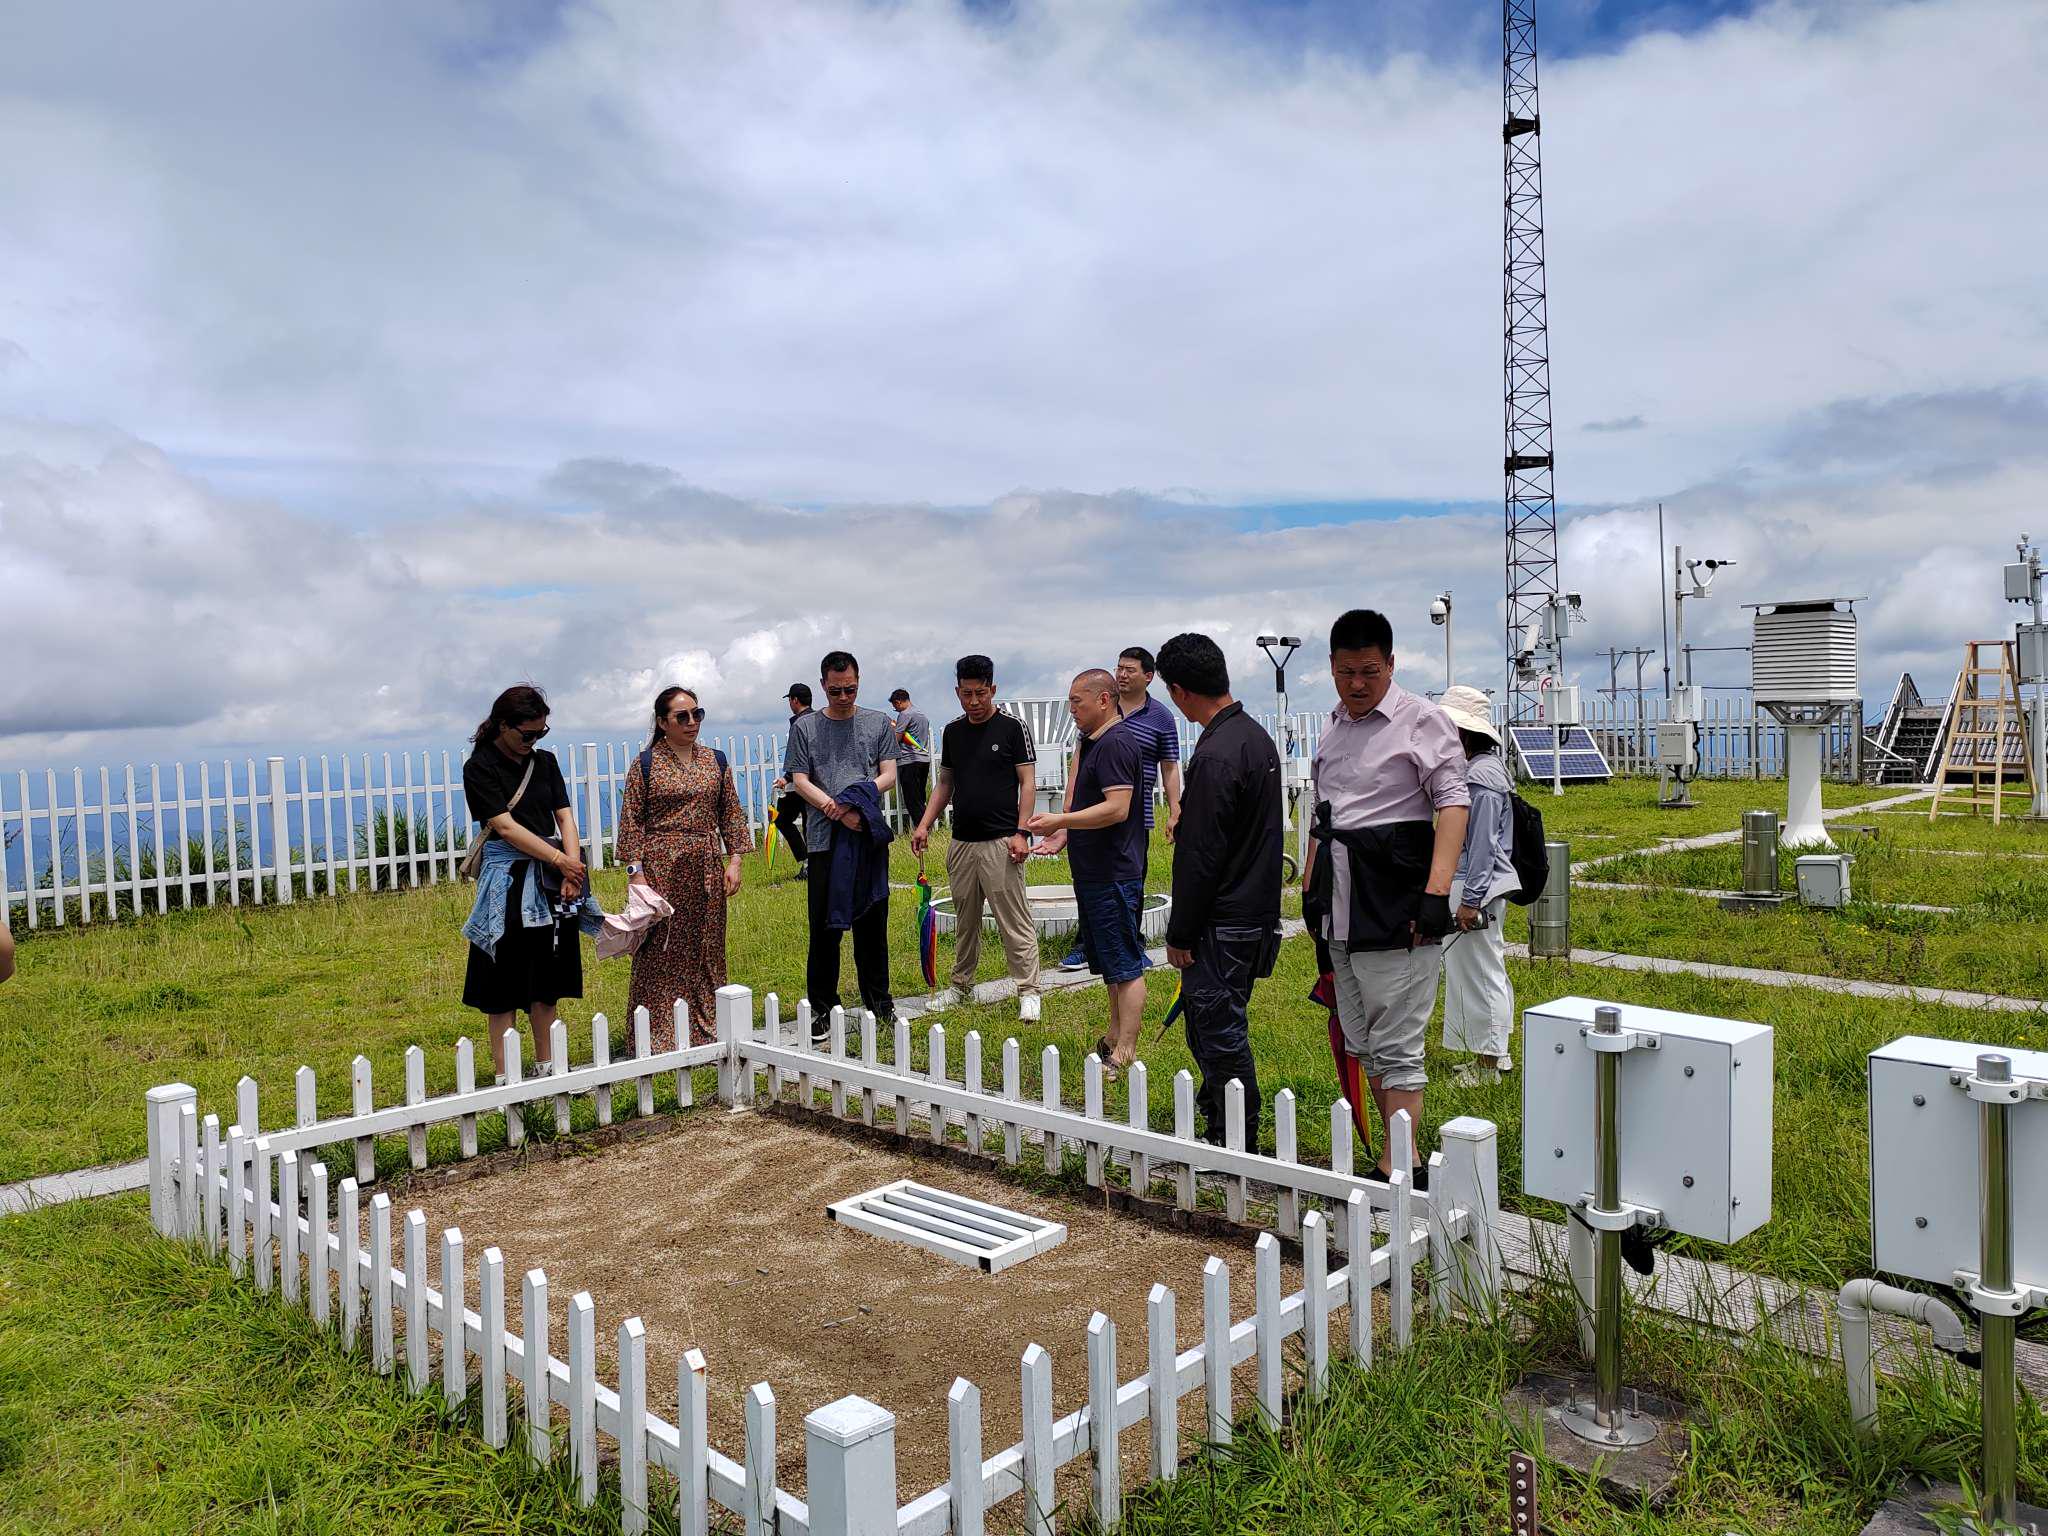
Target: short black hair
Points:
(838, 661)
(801, 692)
(1195, 662)
(1141, 656)
(974, 669)
(902, 694)
(1362, 629)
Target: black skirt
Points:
(533, 965)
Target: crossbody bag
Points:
(473, 860)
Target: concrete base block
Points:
(1641, 1475)
(1912, 1513)
(1740, 903)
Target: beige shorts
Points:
(1384, 998)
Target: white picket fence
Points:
(258, 1199)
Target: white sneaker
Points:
(942, 999)
(1027, 1008)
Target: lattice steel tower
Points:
(1532, 579)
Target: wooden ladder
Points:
(1983, 717)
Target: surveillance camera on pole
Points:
(1440, 614)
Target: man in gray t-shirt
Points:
(913, 753)
(829, 749)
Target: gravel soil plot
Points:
(715, 1234)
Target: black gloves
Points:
(1433, 921)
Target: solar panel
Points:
(1537, 751)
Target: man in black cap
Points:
(789, 810)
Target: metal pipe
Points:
(1607, 1245)
(1994, 1146)
(1550, 923)
(1853, 1308)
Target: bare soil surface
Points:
(715, 1235)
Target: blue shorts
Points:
(1110, 936)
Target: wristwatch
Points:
(633, 868)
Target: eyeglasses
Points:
(682, 716)
(845, 692)
(526, 735)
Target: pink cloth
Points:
(623, 932)
(1401, 762)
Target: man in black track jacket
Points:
(1224, 931)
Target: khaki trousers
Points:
(982, 872)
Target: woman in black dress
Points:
(514, 964)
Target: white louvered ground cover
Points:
(970, 1232)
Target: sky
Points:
(357, 361)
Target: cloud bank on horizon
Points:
(353, 363)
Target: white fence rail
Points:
(257, 1199)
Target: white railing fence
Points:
(259, 1200)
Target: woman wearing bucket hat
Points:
(1479, 1004)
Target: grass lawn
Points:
(140, 1390)
(143, 1390)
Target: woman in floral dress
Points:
(682, 832)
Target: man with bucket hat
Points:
(1479, 1004)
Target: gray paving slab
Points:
(80, 1184)
(1890, 990)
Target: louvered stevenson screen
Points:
(1805, 653)
(970, 1232)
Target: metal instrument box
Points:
(1924, 1204)
(1694, 1115)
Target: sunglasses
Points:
(846, 692)
(526, 735)
(680, 716)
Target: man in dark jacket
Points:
(1224, 932)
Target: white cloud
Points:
(350, 366)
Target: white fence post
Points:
(1038, 1462)
(316, 1251)
(1284, 1144)
(416, 1300)
(735, 1009)
(161, 1130)
(1216, 1347)
(280, 832)
(288, 1225)
(632, 1435)
(209, 1194)
(454, 1302)
(1315, 1274)
(538, 1402)
(1163, 1396)
(366, 1146)
(593, 835)
(583, 1396)
(381, 1353)
(963, 1445)
(1107, 1483)
(850, 1469)
(491, 1301)
(1266, 1301)
(693, 1491)
(1471, 1183)
(1138, 1100)
(760, 1497)
(348, 1293)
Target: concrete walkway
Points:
(1722, 839)
(1892, 990)
(80, 1184)
(1712, 895)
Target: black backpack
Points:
(724, 767)
(1530, 855)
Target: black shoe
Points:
(1418, 1176)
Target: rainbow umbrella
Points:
(1175, 1008)
(914, 742)
(768, 841)
(927, 929)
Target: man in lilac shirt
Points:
(1379, 878)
